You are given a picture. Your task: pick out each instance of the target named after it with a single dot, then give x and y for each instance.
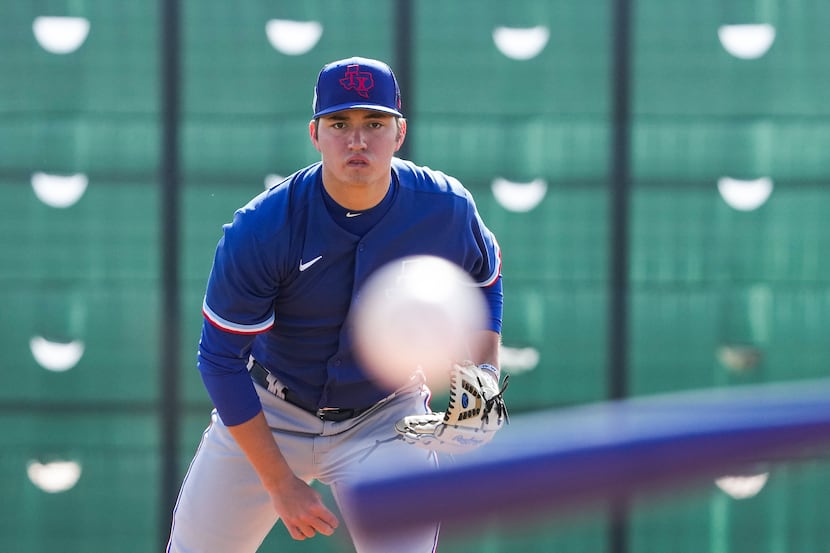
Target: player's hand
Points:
(302, 510)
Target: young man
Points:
(293, 403)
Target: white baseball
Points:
(416, 313)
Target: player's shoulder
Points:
(293, 189)
(424, 179)
(272, 209)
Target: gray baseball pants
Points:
(223, 508)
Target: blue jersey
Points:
(286, 273)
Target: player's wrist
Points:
(490, 369)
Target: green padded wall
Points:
(83, 275)
(111, 504)
(482, 115)
(705, 276)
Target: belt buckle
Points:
(334, 414)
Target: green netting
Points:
(518, 148)
(242, 151)
(112, 325)
(561, 240)
(704, 275)
(478, 113)
(231, 68)
(566, 327)
(114, 499)
(85, 274)
(703, 149)
(681, 69)
(110, 234)
(674, 339)
(462, 74)
(782, 517)
(575, 534)
(92, 110)
(687, 233)
(246, 106)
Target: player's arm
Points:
(222, 362)
(237, 307)
(483, 261)
(486, 351)
(299, 506)
(486, 345)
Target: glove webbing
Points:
(496, 401)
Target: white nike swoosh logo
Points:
(307, 264)
(350, 214)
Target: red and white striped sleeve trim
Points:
(494, 274)
(235, 328)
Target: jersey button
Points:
(337, 362)
(361, 247)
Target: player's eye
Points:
(338, 125)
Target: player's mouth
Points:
(357, 162)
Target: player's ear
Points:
(312, 132)
(401, 133)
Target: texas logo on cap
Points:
(357, 80)
(356, 83)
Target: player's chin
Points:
(358, 168)
(360, 175)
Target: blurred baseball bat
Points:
(559, 461)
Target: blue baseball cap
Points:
(356, 83)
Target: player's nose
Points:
(357, 140)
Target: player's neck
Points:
(358, 196)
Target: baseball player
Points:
(292, 401)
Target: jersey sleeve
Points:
(242, 283)
(483, 257)
(238, 305)
(494, 297)
(222, 363)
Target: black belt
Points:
(260, 374)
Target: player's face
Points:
(357, 146)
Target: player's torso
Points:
(326, 265)
(323, 267)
